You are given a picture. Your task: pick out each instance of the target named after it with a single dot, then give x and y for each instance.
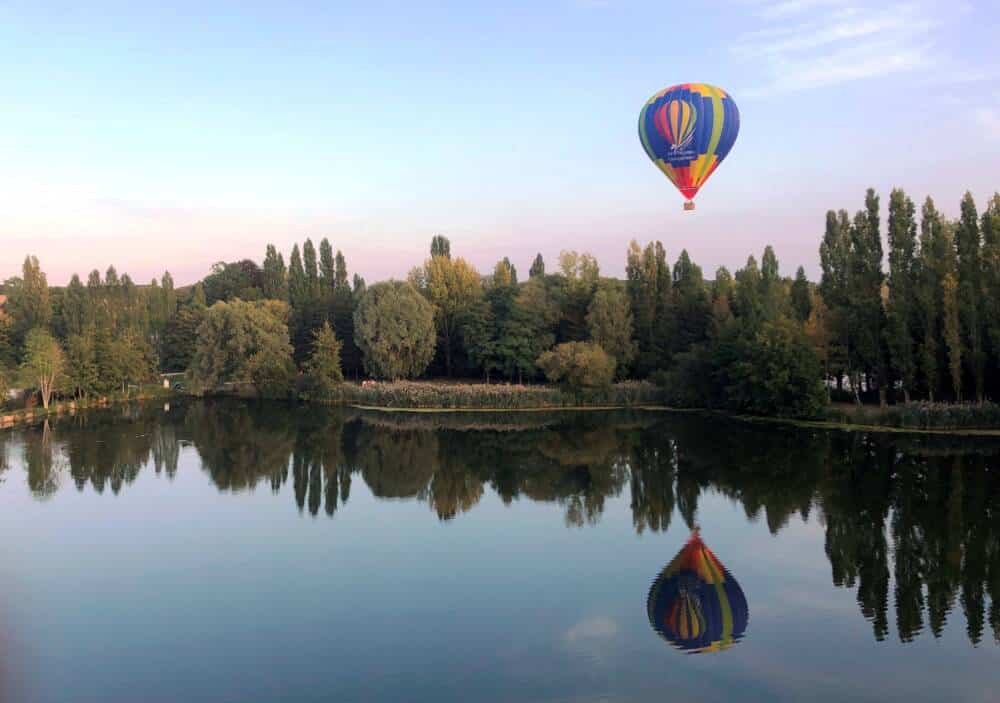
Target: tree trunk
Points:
(906, 395)
(882, 399)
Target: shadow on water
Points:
(911, 520)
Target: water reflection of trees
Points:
(912, 524)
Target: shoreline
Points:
(20, 418)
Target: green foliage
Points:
(82, 373)
(774, 371)
(43, 364)
(323, 373)
(239, 279)
(800, 296)
(527, 330)
(609, 320)
(229, 336)
(274, 283)
(178, 341)
(394, 328)
(578, 366)
(29, 304)
(494, 396)
(440, 246)
(900, 324)
(537, 267)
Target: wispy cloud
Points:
(805, 44)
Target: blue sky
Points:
(174, 137)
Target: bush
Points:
(922, 416)
(497, 396)
(578, 366)
(394, 328)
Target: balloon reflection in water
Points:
(695, 604)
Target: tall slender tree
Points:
(274, 281)
(899, 331)
(327, 266)
(934, 246)
(967, 247)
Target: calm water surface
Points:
(223, 552)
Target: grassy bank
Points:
(22, 416)
(496, 396)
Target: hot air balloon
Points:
(695, 604)
(687, 130)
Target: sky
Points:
(172, 135)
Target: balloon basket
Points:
(689, 205)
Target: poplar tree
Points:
(902, 284)
(537, 267)
(29, 305)
(327, 266)
(967, 247)
(440, 246)
(298, 287)
(934, 246)
(311, 270)
(801, 299)
(75, 306)
(866, 313)
(273, 275)
(991, 274)
(835, 259)
(771, 287)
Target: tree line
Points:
(752, 340)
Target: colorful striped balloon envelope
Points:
(687, 130)
(695, 604)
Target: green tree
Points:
(771, 372)
(967, 247)
(801, 298)
(479, 337)
(180, 337)
(230, 335)
(327, 267)
(123, 359)
(537, 267)
(834, 287)
(452, 286)
(575, 289)
(866, 312)
(692, 310)
(271, 370)
(394, 328)
(749, 308)
(990, 228)
(951, 326)
(43, 364)
(504, 273)
(935, 252)
(527, 330)
(81, 376)
(899, 331)
(323, 372)
(609, 320)
(29, 304)
(75, 313)
(274, 282)
(578, 366)
(311, 268)
(723, 292)
(772, 291)
(298, 286)
(440, 246)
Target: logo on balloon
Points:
(675, 121)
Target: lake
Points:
(216, 551)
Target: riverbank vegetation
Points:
(925, 328)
